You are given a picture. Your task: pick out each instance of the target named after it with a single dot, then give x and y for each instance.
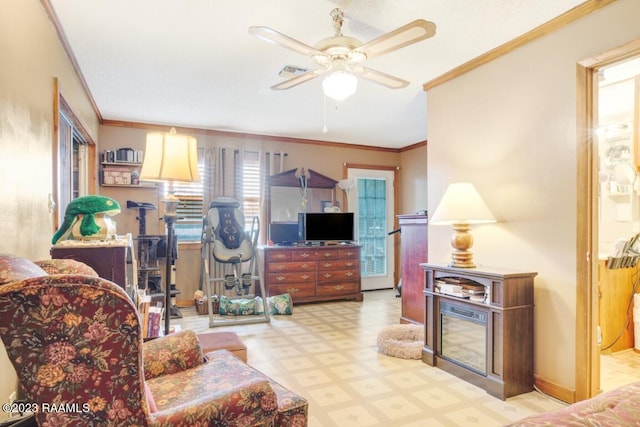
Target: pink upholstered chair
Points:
(75, 340)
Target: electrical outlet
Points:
(12, 397)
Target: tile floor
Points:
(327, 353)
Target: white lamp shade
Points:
(339, 85)
(461, 203)
(170, 157)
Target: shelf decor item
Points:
(170, 157)
(462, 206)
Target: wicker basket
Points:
(203, 308)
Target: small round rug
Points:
(403, 341)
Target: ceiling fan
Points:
(341, 57)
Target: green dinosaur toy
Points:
(85, 209)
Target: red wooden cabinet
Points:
(413, 251)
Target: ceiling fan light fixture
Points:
(339, 85)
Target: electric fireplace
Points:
(463, 336)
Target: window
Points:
(190, 211)
(372, 225)
(188, 226)
(251, 187)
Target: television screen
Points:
(283, 233)
(324, 227)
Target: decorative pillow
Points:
(172, 353)
(280, 304)
(241, 306)
(14, 268)
(66, 266)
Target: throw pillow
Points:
(280, 304)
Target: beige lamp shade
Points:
(462, 203)
(461, 206)
(170, 157)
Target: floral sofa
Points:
(619, 407)
(75, 342)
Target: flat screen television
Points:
(327, 227)
(283, 233)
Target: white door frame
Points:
(387, 280)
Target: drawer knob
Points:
(338, 287)
(327, 254)
(279, 256)
(349, 264)
(327, 264)
(304, 255)
(305, 266)
(280, 266)
(327, 275)
(349, 273)
(293, 290)
(305, 276)
(280, 278)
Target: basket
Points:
(203, 308)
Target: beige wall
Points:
(413, 180)
(31, 58)
(510, 128)
(325, 159)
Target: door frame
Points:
(587, 350)
(396, 185)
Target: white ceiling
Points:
(192, 63)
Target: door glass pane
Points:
(372, 220)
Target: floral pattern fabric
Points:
(619, 407)
(65, 266)
(171, 354)
(75, 341)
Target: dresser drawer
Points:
(339, 264)
(297, 277)
(313, 255)
(278, 255)
(342, 287)
(287, 267)
(337, 275)
(349, 253)
(296, 290)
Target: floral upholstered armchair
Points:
(75, 342)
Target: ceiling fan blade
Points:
(400, 37)
(295, 81)
(381, 78)
(272, 36)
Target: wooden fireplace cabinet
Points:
(509, 334)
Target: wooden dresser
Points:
(313, 273)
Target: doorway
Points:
(618, 102)
(372, 199)
(596, 179)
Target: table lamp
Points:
(170, 157)
(461, 206)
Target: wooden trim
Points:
(552, 389)
(55, 149)
(413, 146)
(46, 4)
(587, 350)
(149, 126)
(555, 24)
